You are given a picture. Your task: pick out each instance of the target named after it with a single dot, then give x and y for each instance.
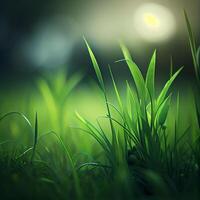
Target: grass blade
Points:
(164, 91)
(150, 77)
(192, 45)
(96, 66)
(136, 73)
(116, 90)
(19, 114)
(35, 137)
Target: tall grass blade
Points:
(161, 114)
(136, 73)
(150, 76)
(192, 46)
(102, 86)
(126, 52)
(116, 90)
(164, 91)
(96, 66)
(171, 67)
(35, 137)
(198, 57)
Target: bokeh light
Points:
(50, 44)
(154, 22)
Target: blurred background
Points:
(44, 36)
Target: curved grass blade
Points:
(35, 138)
(193, 48)
(162, 112)
(198, 58)
(150, 76)
(135, 72)
(116, 90)
(93, 164)
(17, 113)
(164, 91)
(95, 65)
(102, 86)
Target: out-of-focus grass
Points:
(54, 137)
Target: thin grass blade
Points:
(164, 91)
(96, 66)
(150, 77)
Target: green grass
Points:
(138, 142)
(142, 132)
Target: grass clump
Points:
(142, 146)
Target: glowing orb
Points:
(154, 22)
(151, 20)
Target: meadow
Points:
(61, 138)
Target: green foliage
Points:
(96, 67)
(114, 147)
(143, 116)
(145, 138)
(150, 77)
(193, 48)
(151, 145)
(196, 59)
(55, 92)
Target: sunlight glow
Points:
(154, 22)
(151, 20)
